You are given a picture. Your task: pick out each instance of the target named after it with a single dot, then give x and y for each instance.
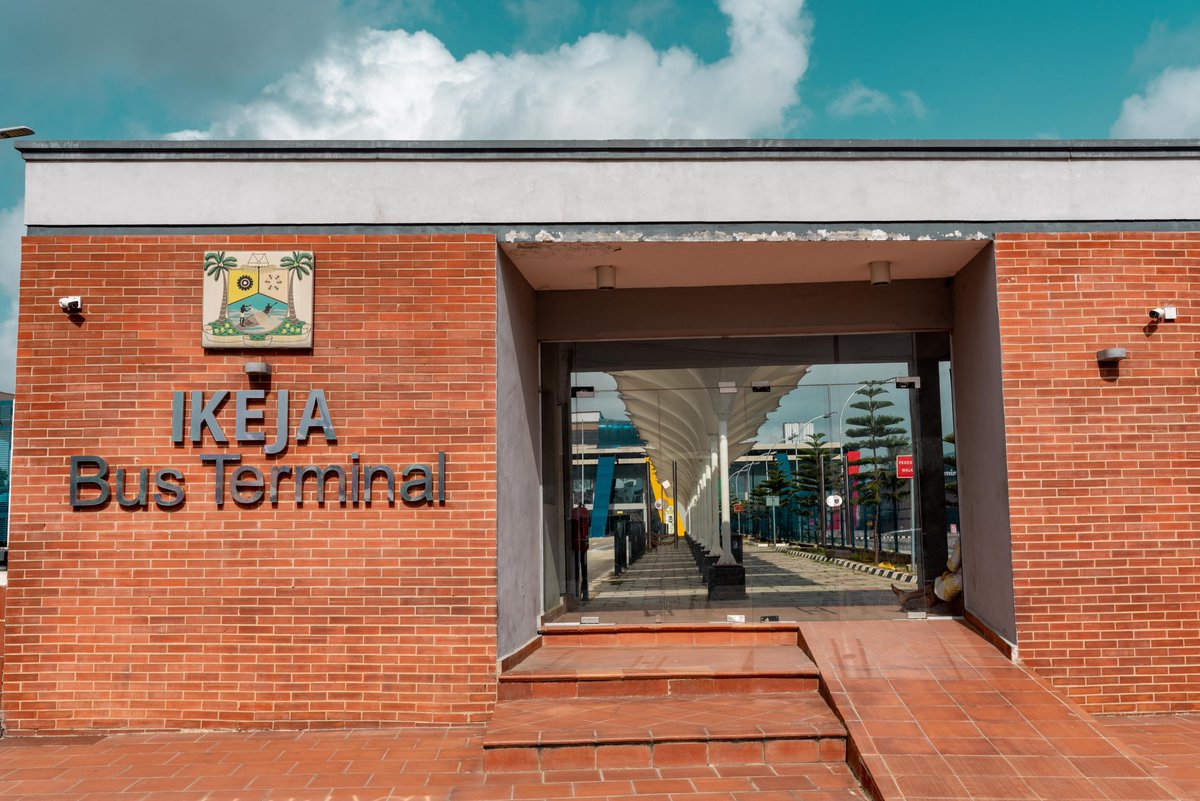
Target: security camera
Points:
(1166, 313)
(71, 304)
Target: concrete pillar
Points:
(714, 471)
(725, 531)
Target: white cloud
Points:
(402, 85)
(12, 226)
(860, 100)
(913, 103)
(1168, 108)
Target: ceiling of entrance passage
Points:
(677, 412)
(640, 265)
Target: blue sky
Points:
(448, 69)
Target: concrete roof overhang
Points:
(702, 262)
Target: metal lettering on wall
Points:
(94, 483)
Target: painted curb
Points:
(894, 575)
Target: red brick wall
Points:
(1104, 464)
(260, 617)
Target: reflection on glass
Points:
(827, 471)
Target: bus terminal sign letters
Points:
(94, 483)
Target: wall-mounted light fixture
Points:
(727, 387)
(606, 276)
(881, 273)
(1111, 355)
(258, 370)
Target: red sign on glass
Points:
(904, 466)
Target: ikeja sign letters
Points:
(94, 482)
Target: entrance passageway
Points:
(665, 586)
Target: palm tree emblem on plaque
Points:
(258, 299)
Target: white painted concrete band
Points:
(563, 192)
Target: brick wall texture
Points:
(287, 616)
(1104, 463)
(253, 617)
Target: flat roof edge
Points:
(630, 149)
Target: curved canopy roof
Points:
(676, 412)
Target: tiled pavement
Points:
(936, 713)
(365, 765)
(1168, 746)
(664, 586)
(933, 712)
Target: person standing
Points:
(581, 526)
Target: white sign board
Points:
(771, 500)
(833, 501)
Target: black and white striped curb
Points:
(874, 570)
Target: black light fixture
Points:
(258, 370)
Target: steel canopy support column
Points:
(726, 578)
(714, 470)
(723, 470)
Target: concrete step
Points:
(655, 732)
(574, 634)
(588, 671)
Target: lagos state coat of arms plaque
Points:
(258, 299)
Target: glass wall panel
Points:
(824, 471)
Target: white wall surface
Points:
(281, 191)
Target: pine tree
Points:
(878, 433)
(809, 495)
(775, 483)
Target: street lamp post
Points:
(847, 513)
(16, 131)
(821, 524)
(744, 495)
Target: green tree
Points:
(809, 493)
(775, 483)
(217, 265)
(298, 265)
(876, 431)
(894, 490)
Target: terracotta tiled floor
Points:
(365, 765)
(693, 660)
(936, 713)
(1168, 746)
(653, 719)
